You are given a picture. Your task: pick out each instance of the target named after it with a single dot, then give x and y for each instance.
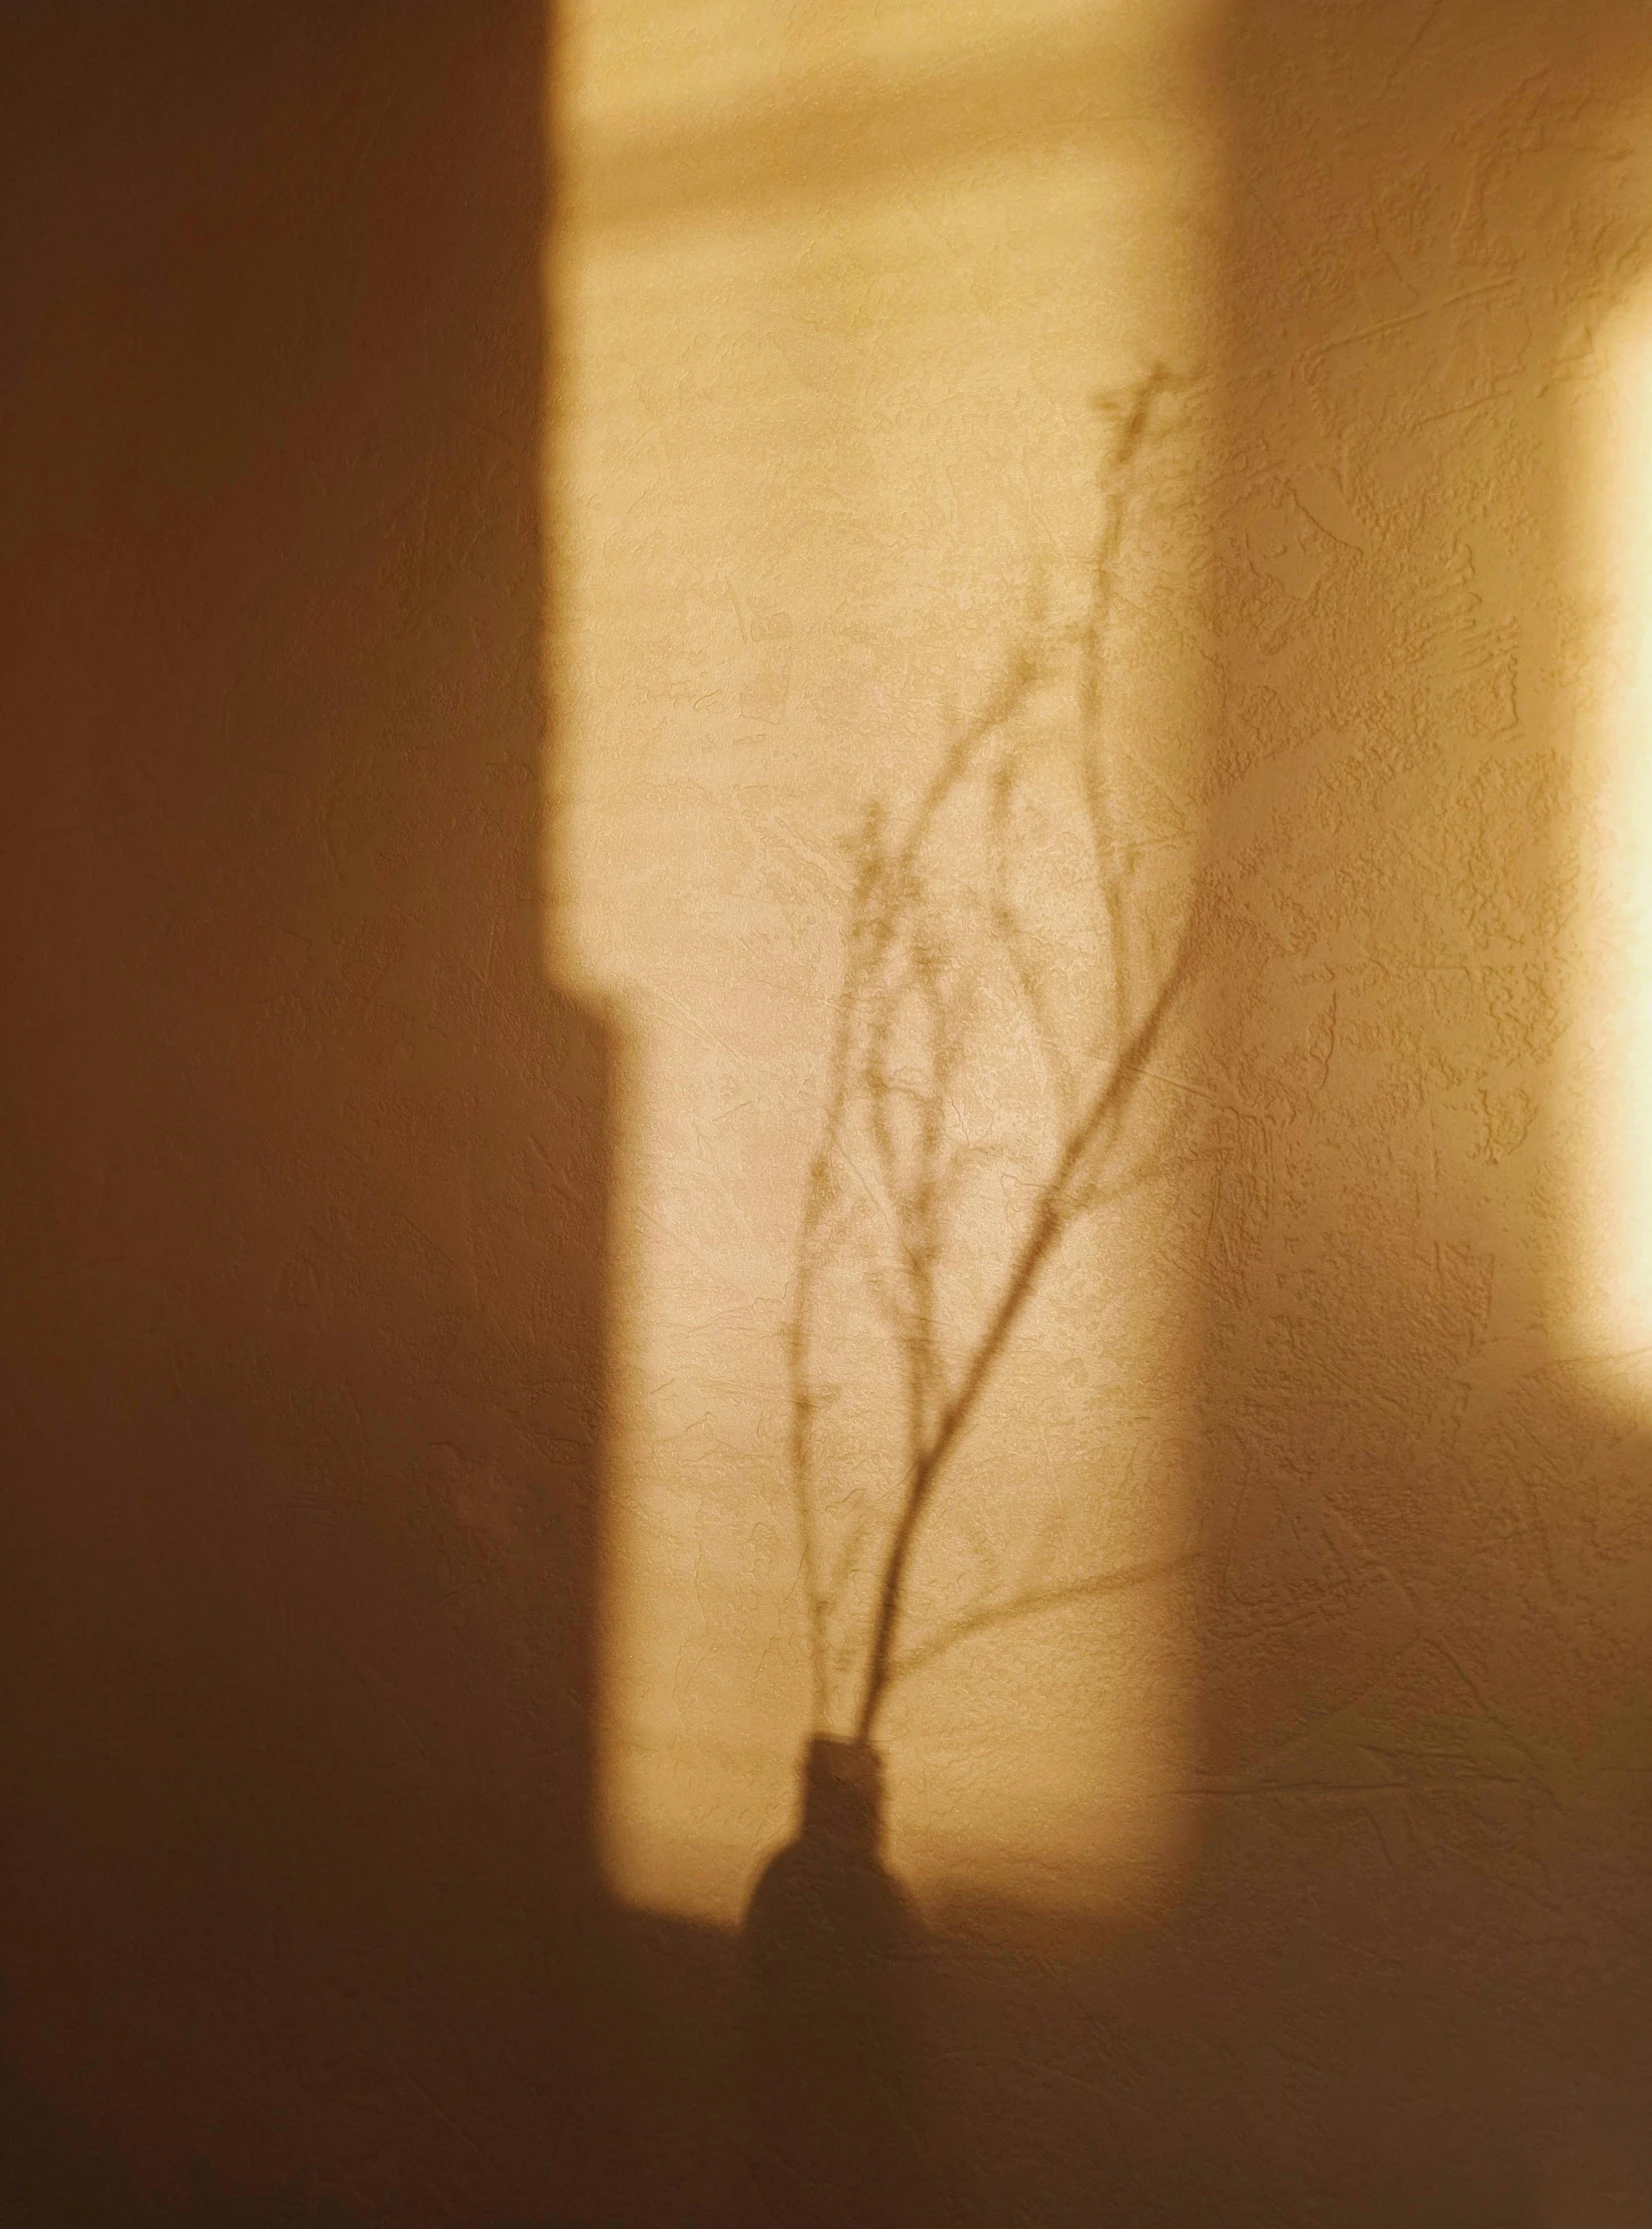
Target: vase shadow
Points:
(833, 1969)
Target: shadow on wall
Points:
(1409, 1981)
(303, 1186)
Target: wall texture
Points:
(1408, 1981)
(837, 303)
(328, 1643)
(1405, 1975)
(1428, 1637)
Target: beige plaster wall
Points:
(1416, 1948)
(357, 1607)
(1404, 1975)
(835, 297)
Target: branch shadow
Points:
(1408, 1979)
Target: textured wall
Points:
(318, 1651)
(1428, 1641)
(303, 1172)
(836, 297)
(1407, 1976)
(1409, 1980)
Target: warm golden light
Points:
(833, 299)
(1604, 1115)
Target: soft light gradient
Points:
(834, 294)
(1604, 1103)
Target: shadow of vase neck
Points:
(842, 1789)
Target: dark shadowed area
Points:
(304, 1169)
